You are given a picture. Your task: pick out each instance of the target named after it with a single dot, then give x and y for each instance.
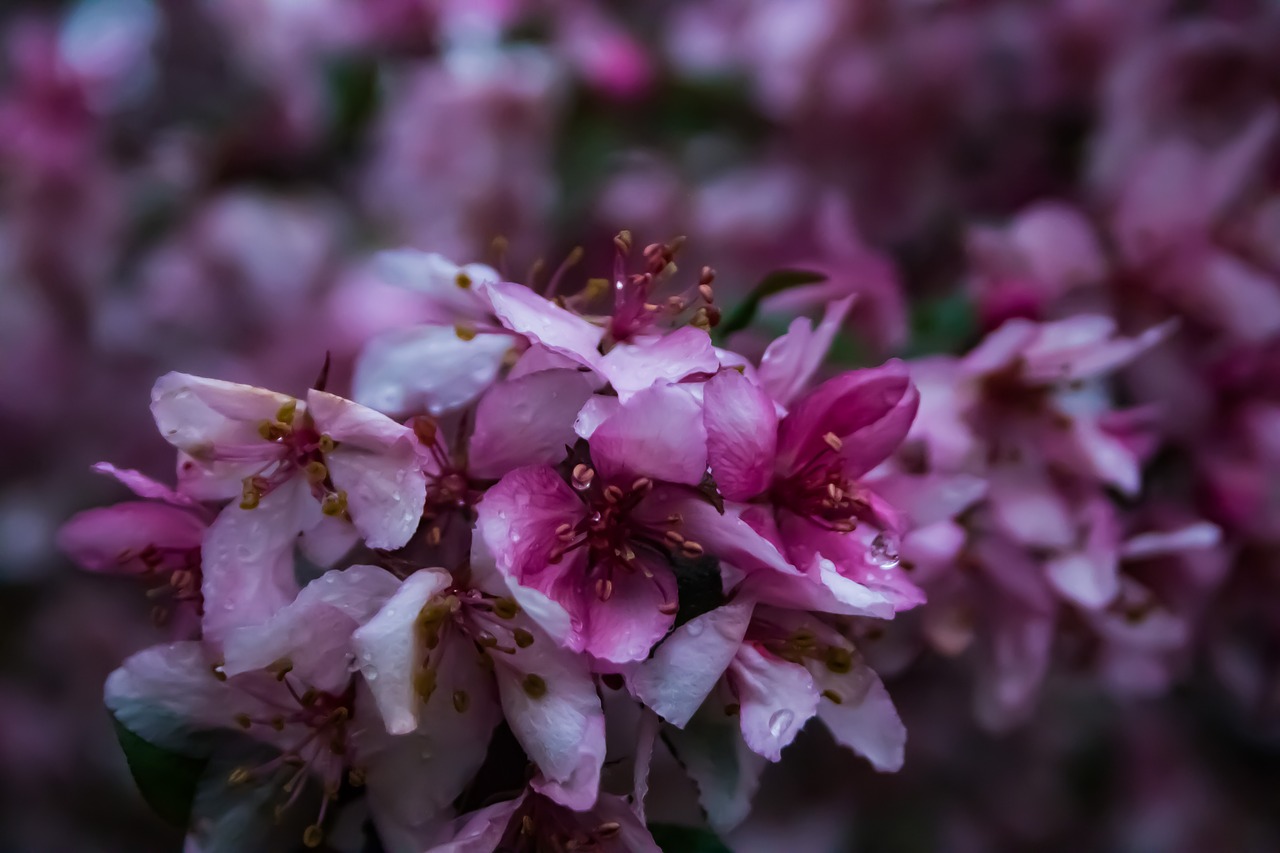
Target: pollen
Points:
(534, 685)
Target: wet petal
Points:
(670, 358)
(742, 435)
(212, 419)
(526, 421)
(427, 369)
(658, 433)
(525, 312)
(864, 719)
(776, 699)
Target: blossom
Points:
(456, 658)
(287, 682)
(157, 540)
(807, 470)
(299, 468)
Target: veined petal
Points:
(390, 652)
(525, 312)
(742, 435)
(790, 361)
(212, 419)
(687, 665)
(526, 421)
(427, 368)
(376, 463)
(658, 433)
(776, 699)
(247, 559)
(633, 367)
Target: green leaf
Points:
(698, 586)
(673, 838)
(167, 780)
(947, 325)
(775, 282)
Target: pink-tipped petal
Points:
(742, 435)
(212, 419)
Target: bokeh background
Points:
(196, 185)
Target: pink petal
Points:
(390, 652)
(626, 626)
(865, 719)
(111, 538)
(427, 369)
(526, 421)
(437, 278)
(848, 565)
(376, 463)
(791, 360)
(1195, 536)
(247, 558)
(724, 768)
(525, 312)
(518, 519)
(314, 630)
(869, 411)
(596, 411)
(926, 499)
(1028, 508)
(480, 831)
(634, 367)
(562, 729)
(725, 535)
(776, 699)
(143, 486)
(658, 433)
(212, 419)
(687, 665)
(413, 779)
(742, 435)
(1090, 577)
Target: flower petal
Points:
(658, 433)
(143, 486)
(426, 368)
(518, 519)
(390, 653)
(687, 665)
(864, 719)
(776, 699)
(313, 632)
(212, 419)
(790, 361)
(111, 538)
(869, 411)
(376, 463)
(670, 358)
(526, 421)
(742, 435)
(247, 558)
(437, 277)
(525, 312)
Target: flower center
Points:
(821, 492)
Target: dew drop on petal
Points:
(884, 551)
(779, 721)
(695, 628)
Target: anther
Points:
(582, 475)
(280, 668)
(833, 696)
(462, 280)
(833, 441)
(613, 494)
(334, 503)
(643, 484)
(487, 640)
(461, 701)
(243, 721)
(239, 776)
(272, 431)
(505, 608)
(705, 291)
(326, 444)
(673, 537)
(286, 412)
(424, 684)
(523, 637)
(622, 241)
(693, 549)
(464, 331)
(668, 608)
(250, 495)
(316, 472)
(313, 836)
(534, 685)
(425, 429)
(604, 589)
(608, 830)
(527, 825)
(435, 535)
(706, 277)
(839, 660)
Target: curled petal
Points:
(790, 361)
(212, 419)
(525, 312)
(112, 538)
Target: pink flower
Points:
(419, 656)
(287, 682)
(600, 546)
(157, 540)
(805, 476)
(298, 469)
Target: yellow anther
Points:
(250, 495)
(833, 696)
(833, 441)
(505, 608)
(316, 472)
(424, 684)
(464, 331)
(534, 685)
(326, 444)
(280, 668)
(243, 721)
(463, 280)
(334, 503)
(839, 660)
(523, 638)
(286, 412)
(239, 776)
(461, 701)
(313, 836)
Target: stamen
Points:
(604, 589)
(461, 701)
(464, 331)
(833, 696)
(534, 686)
(505, 608)
(523, 637)
(833, 441)
(582, 476)
(334, 503)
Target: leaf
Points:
(673, 838)
(775, 282)
(697, 585)
(167, 780)
(947, 325)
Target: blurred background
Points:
(196, 184)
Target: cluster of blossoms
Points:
(566, 503)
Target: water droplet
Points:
(695, 628)
(515, 537)
(779, 721)
(370, 674)
(884, 551)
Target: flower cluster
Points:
(568, 502)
